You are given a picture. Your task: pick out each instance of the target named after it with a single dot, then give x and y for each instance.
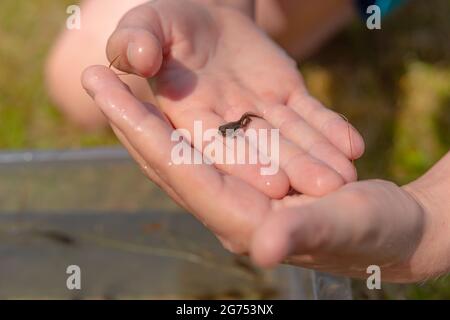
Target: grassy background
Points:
(392, 84)
(27, 117)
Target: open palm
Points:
(212, 63)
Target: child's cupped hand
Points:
(212, 63)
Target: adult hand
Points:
(365, 223)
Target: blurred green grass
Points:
(27, 117)
(392, 84)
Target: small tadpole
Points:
(233, 126)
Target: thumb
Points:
(344, 221)
(136, 44)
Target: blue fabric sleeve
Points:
(386, 6)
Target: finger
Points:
(92, 82)
(296, 129)
(332, 125)
(291, 230)
(306, 174)
(360, 221)
(323, 226)
(214, 198)
(138, 41)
